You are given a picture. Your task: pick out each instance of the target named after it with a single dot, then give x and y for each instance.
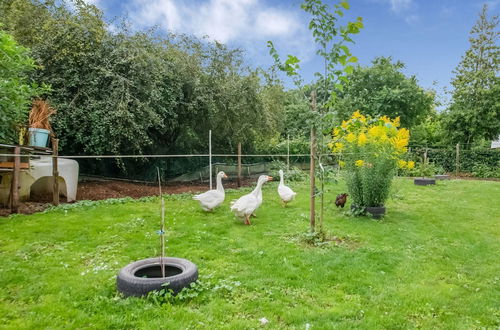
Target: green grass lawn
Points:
(431, 263)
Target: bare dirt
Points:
(104, 189)
(98, 189)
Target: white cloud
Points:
(406, 9)
(399, 6)
(221, 20)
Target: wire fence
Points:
(190, 168)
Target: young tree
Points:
(331, 40)
(474, 113)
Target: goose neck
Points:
(219, 184)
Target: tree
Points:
(331, 40)
(125, 92)
(382, 89)
(16, 91)
(474, 113)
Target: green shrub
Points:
(294, 174)
(374, 148)
(485, 171)
(423, 169)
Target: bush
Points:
(294, 174)
(485, 171)
(372, 147)
(423, 170)
(16, 90)
(471, 161)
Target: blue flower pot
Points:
(39, 137)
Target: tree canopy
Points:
(16, 90)
(125, 92)
(382, 89)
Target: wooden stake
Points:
(239, 164)
(457, 160)
(210, 156)
(162, 227)
(55, 172)
(14, 188)
(288, 153)
(312, 214)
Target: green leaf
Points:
(345, 49)
(345, 4)
(353, 59)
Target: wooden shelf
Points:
(11, 165)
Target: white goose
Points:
(286, 194)
(212, 198)
(247, 204)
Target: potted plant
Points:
(39, 123)
(371, 149)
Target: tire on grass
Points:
(143, 276)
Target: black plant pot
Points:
(424, 181)
(376, 212)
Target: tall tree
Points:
(474, 113)
(382, 89)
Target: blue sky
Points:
(429, 36)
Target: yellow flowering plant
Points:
(373, 149)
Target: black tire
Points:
(424, 181)
(183, 271)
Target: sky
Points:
(428, 36)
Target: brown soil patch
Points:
(98, 189)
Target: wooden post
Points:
(312, 204)
(288, 153)
(457, 160)
(239, 164)
(210, 157)
(55, 172)
(425, 156)
(14, 187)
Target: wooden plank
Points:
(14, 188)
(55, 172)
(23, 166)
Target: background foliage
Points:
(16, 89)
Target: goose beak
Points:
(269, 178)
(225, 176)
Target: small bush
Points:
(485, 171)
(294, 174)
(423, 170)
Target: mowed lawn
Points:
(433, 262)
